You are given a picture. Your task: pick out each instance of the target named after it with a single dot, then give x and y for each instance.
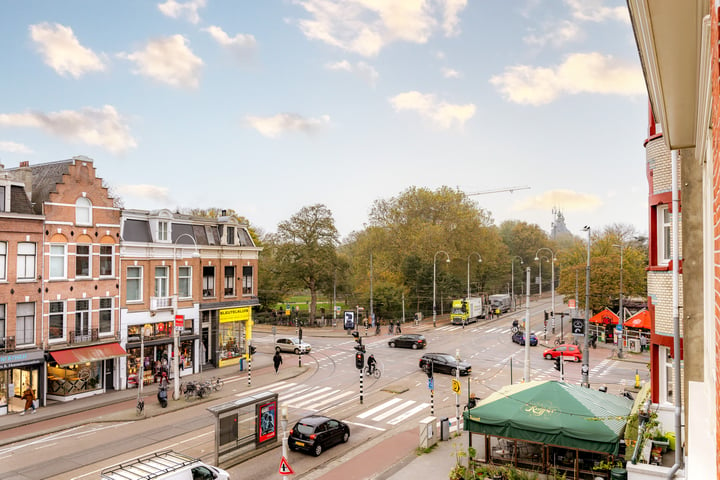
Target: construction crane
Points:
(498, 190)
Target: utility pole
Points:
(526, 374)
(586, 349)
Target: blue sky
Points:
(266, 106)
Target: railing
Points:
(7, 344)
(161, 303)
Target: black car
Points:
(519, 337)
(445, 363)
(315, 433)
(410, 340)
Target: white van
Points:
(167, 465)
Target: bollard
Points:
(637, 379)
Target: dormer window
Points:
(2, 199)
(162, 231)
(83, 211)
(231, 235)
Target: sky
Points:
(268, 106)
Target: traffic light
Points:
(429, 369)
(359, 360)
(557, 363)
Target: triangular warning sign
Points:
(285, 467)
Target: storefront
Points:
(18, 370)
(81, 372)
(234, 332)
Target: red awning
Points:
(639, 320)
(606, 317)
(88, 354)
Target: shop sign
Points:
(18, 359)
(239, 314)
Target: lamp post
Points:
(512, 278)
(176, 347)
(621, 336)
(434, 277)
(526, 373)
(586, 346)
(539, 260)
(468, 278)
(552, 284)
(283, 424)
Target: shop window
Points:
(133, 282)
(664, 235)
(229, 281)
(26, 261)
(73, 379)
(106, 260)
(162, 231)
(105, 315)
(83, 211)
(161, 281)
(229, 336)
(247, 279)
(185, 282)
(25, 324)
(82, 320)
(3, 260)
(58, 260)
(57, 321)
(82, 261)
(208, 281)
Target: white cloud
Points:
(595, 11)
(101, 127)
(188, 10)
(62, 51)
(365, 27)
(152, 192)
(14, 147)
(557, 34)
(579, 73)
(442, 114)
(241, 44)
(450, 73)
(286, 122)
(167, 60)
(363, 70)
(566, 200)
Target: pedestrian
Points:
(29, 397)
(277, 360)
(643, 343)
(397, 328)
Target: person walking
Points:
(29, 398)
(277, 360)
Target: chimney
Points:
(24, 175)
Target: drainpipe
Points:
(676, 315)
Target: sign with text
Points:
(578, 326)
(239, 314)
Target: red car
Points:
(566, 350)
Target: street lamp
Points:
(552, 283)
(283, 423)
(434, 277)
(512, 278)
(539, 260)
(586, 353)
(621, 336)
(176, 347)
(468, 278)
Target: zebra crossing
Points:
(316, 399)
(473, 328)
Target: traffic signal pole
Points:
(359, 360)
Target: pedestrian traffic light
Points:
(557, 363)
(429, 369)
(359, 360)
(546, 315)
(356, 336)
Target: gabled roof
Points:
(639, 320)
(45, 177)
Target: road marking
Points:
(383, 406)
(409, 413)
(393, 410)
(272, 387)
(321, 393)
(332, 399)
(366, 426)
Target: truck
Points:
(467, 310)
(164, 465)
(500, 301)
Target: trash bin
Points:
(444, 429)
(618, 474)
(241, 364)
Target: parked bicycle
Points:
(216, 383)
(196, 390)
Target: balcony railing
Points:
(7, 344)
(161, 303)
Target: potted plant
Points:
(660, 440)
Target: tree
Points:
(306, 250)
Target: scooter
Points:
(162, 396)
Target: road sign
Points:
(431, 384)
(285, 467)
(455, 386)
(578, 326)
(571, 303)
(179, 323)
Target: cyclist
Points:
(371, 362)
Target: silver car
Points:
(292, 345)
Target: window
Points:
(2, 325)
(2, 199)
(83, 211)
(230, 281)
(664, 235)
(57, 320)
(231, 235)
(106, 260)
(185, 282)
(208, 281)
(105, 315)
(3, 261)
(57, 261)
(161, 282)
(82, 261)
(134, 284)
(26, 261)
(25, 324)
(82, 319)
(247, 280)
(162, 232)
(667, 384)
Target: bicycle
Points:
(375, 373)
(216, 383)
(140, 407)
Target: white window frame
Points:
(666, 380)
(3, 261)
(83, 319)
(664, 234)
(89, 259)
(184, 281)
(62, 315)
(29, 262)
(162, 281)
(54, 254)
(83, 211)
(163, 231)
(20, 339)
(105, 310)
(138, 279)
(104, 257)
